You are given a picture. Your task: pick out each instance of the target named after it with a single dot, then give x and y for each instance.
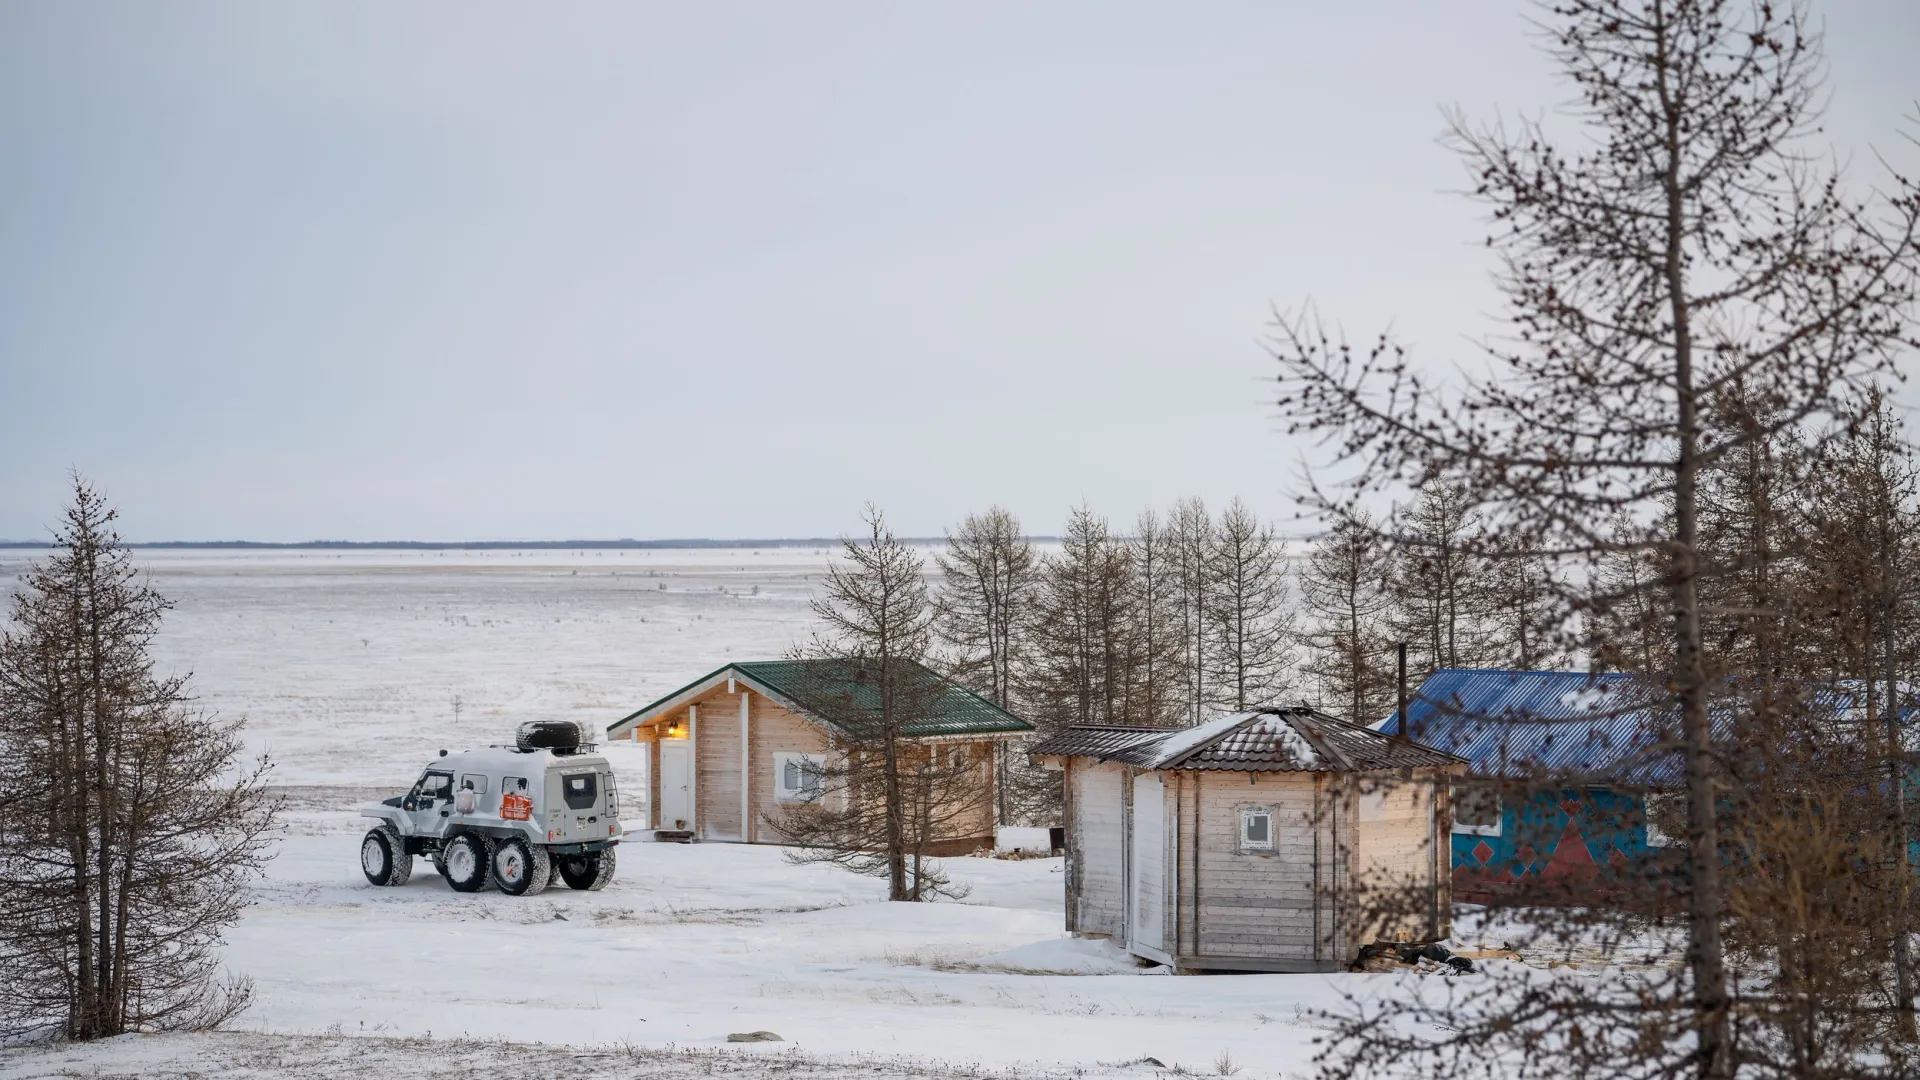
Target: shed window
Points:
(798, 777)
(1476, 809)
(1256, 829)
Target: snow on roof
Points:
(1180, 743)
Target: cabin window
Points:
(1256, 829)
(514, 783)
(798, 778)
(1476, 809)
(474, 782)
(580, 790)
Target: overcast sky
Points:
(486, 271)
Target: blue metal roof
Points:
(1517, 723)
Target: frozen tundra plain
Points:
(347, 667)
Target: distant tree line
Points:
(1190, 614)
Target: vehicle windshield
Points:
(434, 785)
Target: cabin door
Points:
(676, 785)
(1149, 863)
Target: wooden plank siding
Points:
(1395, 858)
(1253, 903)
(775, 730)
(1098, 844)
(771, 729)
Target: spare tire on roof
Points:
(549, 735)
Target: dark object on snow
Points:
(1407, 952)
(754, 1036)
(556, 735)
(1414, 952)
(1369, 952)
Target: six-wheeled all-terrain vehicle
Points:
(515, 817)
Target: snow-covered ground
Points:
(346, 666)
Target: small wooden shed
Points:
(1252, 842)
(747, 740)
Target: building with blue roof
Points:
(1520, 728)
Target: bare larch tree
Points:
(1250, 612)
(988, 574)
(880, 788)
(1343, 591)
(1688, 245)
(133, 828)
(1191, 541)
(1085, 648)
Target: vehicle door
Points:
(430, 803)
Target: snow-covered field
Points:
(346, 666)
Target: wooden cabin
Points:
(748, 740)
(1252, 842)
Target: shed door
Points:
(676, 783)
(1149, 862)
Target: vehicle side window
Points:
(474, 782)
(580, 790)
(434, 785)
(516, 803)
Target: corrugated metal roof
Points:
(1265, 740)
(1092, 740)
(1614, 727)
(1516, 723)
(846, 695)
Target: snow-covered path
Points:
(692, 942)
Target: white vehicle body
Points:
(510, 809)
(469, 790)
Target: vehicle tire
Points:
(589, 873)
(469, 862)
(520, 868)
(384, 858)
(440, 861)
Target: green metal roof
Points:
(846, 695)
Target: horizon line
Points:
(490, 545)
